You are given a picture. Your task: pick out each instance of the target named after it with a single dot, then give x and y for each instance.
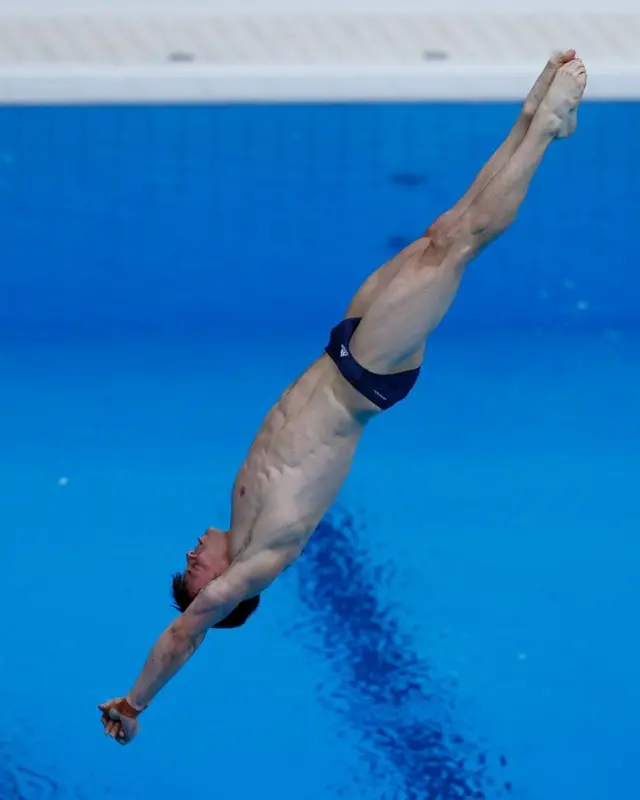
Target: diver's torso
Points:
(297, 462)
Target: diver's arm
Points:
(169, 654)
(244, 579)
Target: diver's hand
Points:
(120, 720)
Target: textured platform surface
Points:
(279, 38)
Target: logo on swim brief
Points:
(343, 351)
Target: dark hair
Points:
(240, 613)
(182, 599)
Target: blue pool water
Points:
(464, 622)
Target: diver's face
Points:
(208, 559)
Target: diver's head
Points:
(206, 562)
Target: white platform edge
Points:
(188, 83)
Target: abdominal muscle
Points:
(297, 462)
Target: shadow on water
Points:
(18, 782)
(403, 712)
(389, 695)
(23, 773)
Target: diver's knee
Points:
(453, 245)
(453, 231)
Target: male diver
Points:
(304, 449)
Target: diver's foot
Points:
(557, 114)
(543, 84)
